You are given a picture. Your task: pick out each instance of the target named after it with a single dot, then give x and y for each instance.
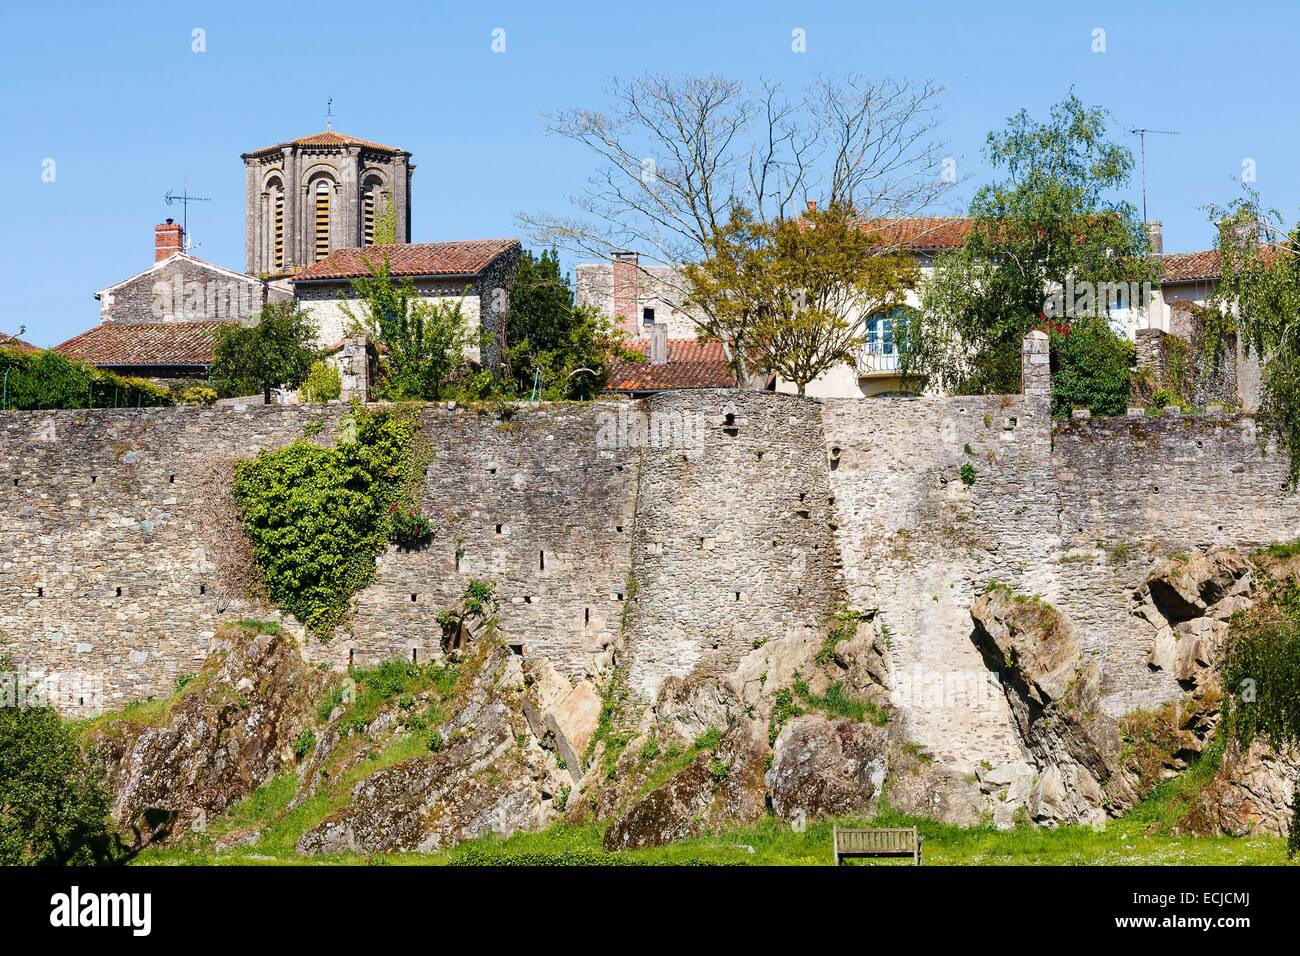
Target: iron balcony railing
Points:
(878, 356)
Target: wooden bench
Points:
(879, 841)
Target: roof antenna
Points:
(185, 199)
(329, 113)
(1142, 136)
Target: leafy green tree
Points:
(278, 349)
(1258, 301)
(423, 341)
(1091, 368)
(798, 290)
(563, 347)
(1050, 220)
(53, 805)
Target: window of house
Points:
(880, 335)
(647, 316)
(885, 329)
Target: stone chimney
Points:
(168, 239)
(625, 291)
(659, 344)
(1155, 237)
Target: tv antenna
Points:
(184, 198)
(1142, 132)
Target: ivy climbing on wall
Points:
(318, 517)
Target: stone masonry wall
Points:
(709, 521)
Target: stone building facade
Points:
(310, 196)
(475, 275)
(179, 287)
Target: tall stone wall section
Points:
(919, 543)
(107, 575)
(1136, 490)
(734, 533)
(539, 503)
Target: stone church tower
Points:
(307, 197)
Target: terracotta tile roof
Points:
(148, 343)
(1205, 264)
(410, 259)
(1186, 266)
(328, 137)
(691, 364)
(923, 232)
(14, 342)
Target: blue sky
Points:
(113, 93)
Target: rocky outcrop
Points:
(1078, 752)
(562, 715)
(1188, 602)
(824, 767)
(1251, 794)
(231, 729)
(719, 787)
(490, 774)
(801, 763)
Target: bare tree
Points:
(676, 156)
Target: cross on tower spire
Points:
(329, 113)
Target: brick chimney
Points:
(812, 205)
(625, 291)
(168, 239)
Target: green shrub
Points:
(1091, 368)
(53, 805)
(323, 384)
(305, 744)
(967, 474)
(409, 526)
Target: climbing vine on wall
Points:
(317, 517)
(1261, 679)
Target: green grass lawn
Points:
(1123, 842)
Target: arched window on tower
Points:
(322, 196)
(369, 210)
(277, 225)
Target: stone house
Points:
(476, 273)
(161, 323)
(641, 296)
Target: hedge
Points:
(48, 380)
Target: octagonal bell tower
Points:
(309, 196)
